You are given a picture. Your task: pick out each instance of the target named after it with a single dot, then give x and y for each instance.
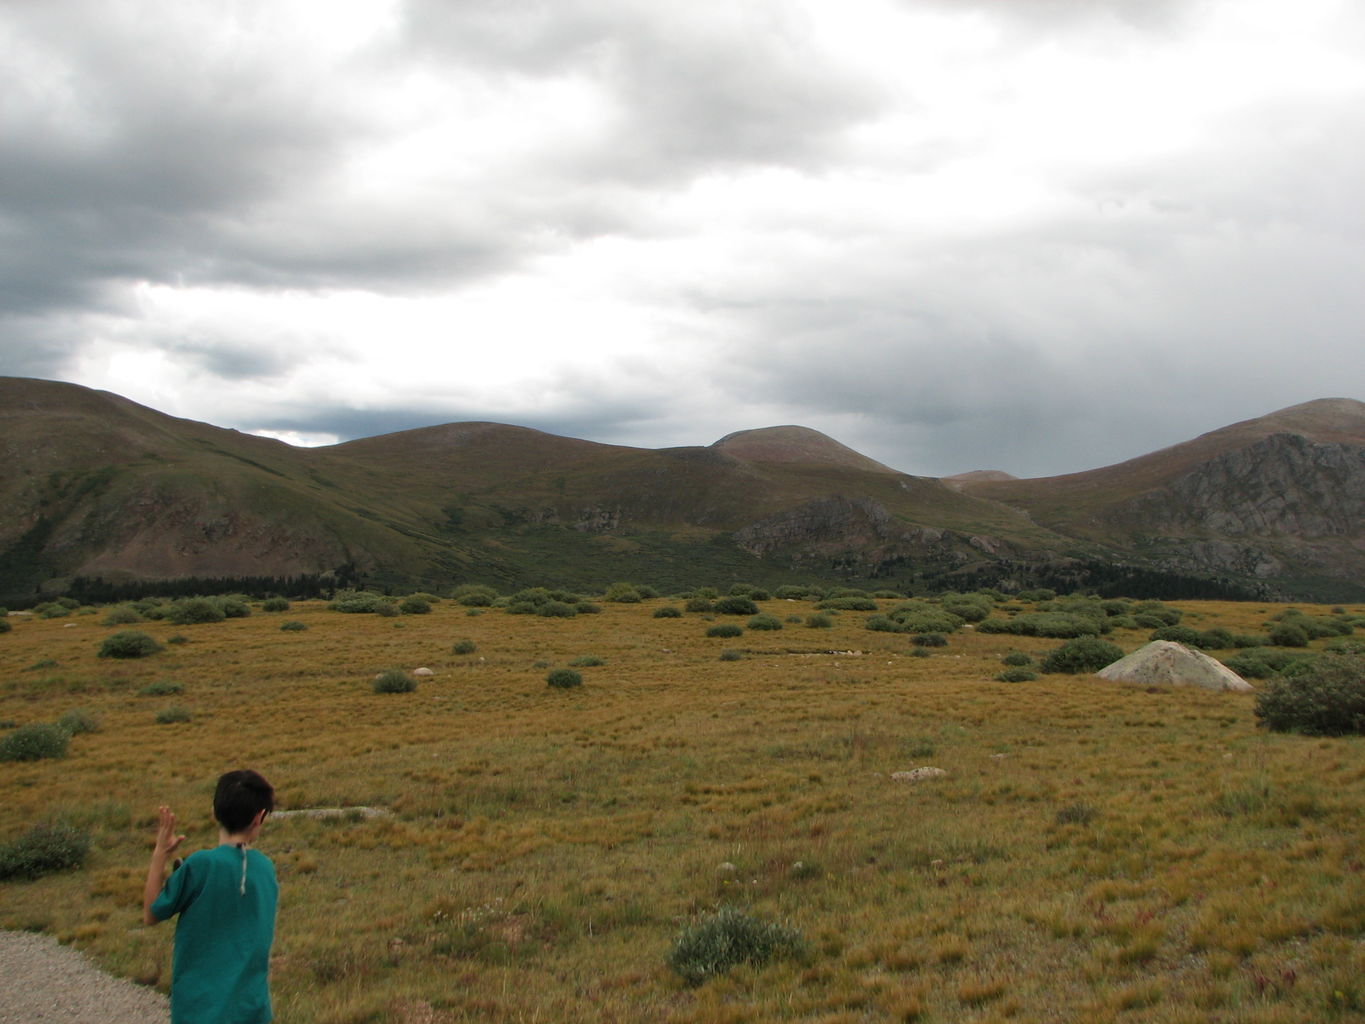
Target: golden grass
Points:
(545, 847)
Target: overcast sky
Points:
(1033, 235)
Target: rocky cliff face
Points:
(1283, 500)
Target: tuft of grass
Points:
(587, 661)
(35, 742)
(731, 655)
(724, 630)
(128, 644)
(77, 722)
(714, 945)
(162, 689)
(173, 715)
(464, 647)
(43, 850)
(394, 680)
(293, 626)
(563, 678)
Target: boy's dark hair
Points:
(238, 798)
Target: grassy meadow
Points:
(1094, 852)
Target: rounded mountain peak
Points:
(792, 444)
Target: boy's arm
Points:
(166, 842)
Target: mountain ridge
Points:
(101, 486)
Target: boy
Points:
(226, 901)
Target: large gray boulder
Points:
(1164, 663)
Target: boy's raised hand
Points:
(166, 839)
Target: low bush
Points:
(121, 615)
(712, 946)
(386, 609)
(293, 626)
(765, 622)
(587, 661)
(698, 604)
(128, 644)
(394, 680)
(1156, 610)
(734, 604)
(882, 624)
(195, 611)
(1086, 654)
(275, 604)
(668, 611)
(163, 689)
(968, 607)
(35, 742)
(1288, 634)
(43, 850)
(1186, 635)
(173, 715)
(588, 608)
(1327, 698)
(1017, 658)
(234, 607)
(356, 602)
(557, 610)
(622, 593)
(929, 640)
(724, 630)
(464, 647)
(474, 595)
(78, 721)
(819, 621)
(1017, 675)
(730, 655)
(1056, 625)
(563, 678)
(414, 605)
(848, 604)
(5, 627)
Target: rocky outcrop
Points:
(825, 522)
(1282, 484)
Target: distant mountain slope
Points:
(1280, 496)
(96, 485)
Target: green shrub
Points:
(474, 595)
(848, 604)
(622, 593)
(668, 611)
(731, 655)
(698, 604)
(819, 621)
(173, 715)
(736, 605)
(293, 626)
(929, 640)
(386, 609)
(1017, 675)
(394, 680)
(1288, 634)
(1249, 666)
(78, 721)
(164, 689)
(725, 630)
(356, 602)
(41, 664)
(1186, 635)
(587, 608)
(34, 742)
(275, 604)
(1149, 621)
(121, 615)
(712, 946)
(1155, 609)
(968, 607)
(414, 605)
(563, 678)
(5, 627)
(920, 652)
(234, 608)
(882, 624)
(587, 661)
(464, 647)
(1326, 698)
(1036, 595)
(177, 639)
(1087, 654)
(43, 850)
(1057, 625)
(128, 644)
(765, 622)
(790, 592)
(195, 611)
(557, 610)
(1017, 658)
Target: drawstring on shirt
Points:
(242, 847)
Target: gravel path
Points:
(42, 981)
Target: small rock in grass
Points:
(917, 774)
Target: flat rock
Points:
(917, 774)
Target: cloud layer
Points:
(963, 235)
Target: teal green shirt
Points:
(223, 937)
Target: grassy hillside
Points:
(1094, 851)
